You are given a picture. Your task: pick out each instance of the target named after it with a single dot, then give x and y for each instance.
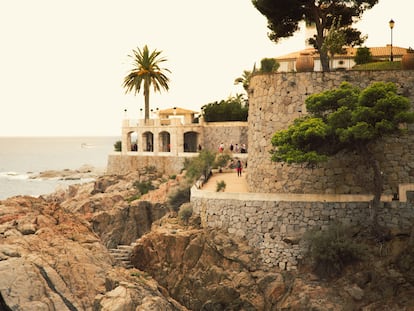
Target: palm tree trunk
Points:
(146, 100)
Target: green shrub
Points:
(269, 65)
(221, 185)
(332, 249)
(151, 169)
(144, 187)
(178, 198)
(133, 198)
(118, 146)
(232, 109)
(363, 56)
(173, 176)
(222, 160)
(199, 166)
(185, 212)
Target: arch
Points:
(190, 141)
(148, 141)
(132, 141)
(164, 141)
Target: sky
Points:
(62, 62)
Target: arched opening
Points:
(190, 141)
(164, 141)
(132, 141)
(148, 141)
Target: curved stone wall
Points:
(274, 223)
(275, 100)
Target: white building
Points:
(340, 61)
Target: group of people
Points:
(234, 148)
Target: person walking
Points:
(239, 168)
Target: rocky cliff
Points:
(54, 250)
(54, 255)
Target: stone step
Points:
(120, 251)
(122, 254)
(125, 247)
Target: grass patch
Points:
(379, 66)
(134, 197)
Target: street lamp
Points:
(392, 23)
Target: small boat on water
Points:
(86, 145)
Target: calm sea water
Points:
(22, 156)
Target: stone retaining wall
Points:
(275, 226)
(120, 164)
(227, 133)
(275, 100)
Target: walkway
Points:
(233, 182)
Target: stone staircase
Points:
(122, 254)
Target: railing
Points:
(154, 122)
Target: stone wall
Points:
(123, 164)
(227, 133)
(275, 100)
(211, 135)
(274, 224)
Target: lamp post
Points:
(391, 23)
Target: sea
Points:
(22, 157)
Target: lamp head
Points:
(392, 23)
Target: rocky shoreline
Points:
(84, 172)
(55, 255)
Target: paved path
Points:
(233, 182)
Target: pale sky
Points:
(62, 62)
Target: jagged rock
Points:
(125, 225)
(54, 256)
(355, 292)
(51, 259)
(204, 269)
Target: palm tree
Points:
(244, 79)
(146, 71)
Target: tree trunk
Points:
(320, 22)
(377, 181)
(146, 99)
(323, 55)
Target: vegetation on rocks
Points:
(179, 197)
(332, 249)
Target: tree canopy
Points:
(147, 71)
(346, 118)
(232, 109)
(283, 18)
(363, 55)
